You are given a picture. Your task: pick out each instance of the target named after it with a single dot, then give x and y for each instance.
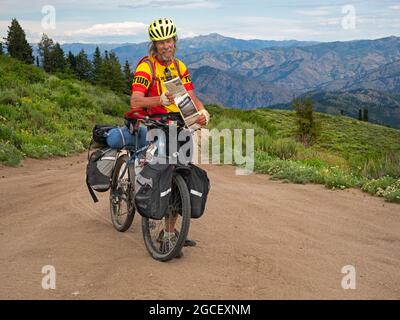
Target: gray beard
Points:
(165, 59)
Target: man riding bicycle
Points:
(149, 95)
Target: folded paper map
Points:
(184, 102)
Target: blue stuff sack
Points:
(120, 137)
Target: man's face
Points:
(166, 48)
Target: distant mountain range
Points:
(259, 73)
(212, 43)
(302, 69)
(230, 89)
(338, 76)
(384, 78)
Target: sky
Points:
(122, 21)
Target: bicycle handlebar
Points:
(162, 120)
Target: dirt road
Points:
(259, 239)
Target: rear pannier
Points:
(153, 190)
(199, 186)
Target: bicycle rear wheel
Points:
(165, 248)
(121, 196)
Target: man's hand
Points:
(204, 117)
(166, 99)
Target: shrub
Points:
(9, 154)
(9, 97)
(285, 148)
(379, 166)
(374, 186)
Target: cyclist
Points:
(149, 95)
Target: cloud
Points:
(187, 34)
(172, 4)
(329, 21)
(127, 28)
(34, 29)
(314, 13)
(272, 29)
(396, 7)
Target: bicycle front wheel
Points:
(121, 196)
(164, 246)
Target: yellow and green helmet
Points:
(162, 29)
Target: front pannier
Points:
(99, 170)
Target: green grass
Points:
(42, 115)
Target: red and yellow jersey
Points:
(143, 78)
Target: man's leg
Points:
(170, 227)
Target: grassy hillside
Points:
(43, 115)
(348, 153)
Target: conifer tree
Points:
(71, 62)
(45, 47)
(128, 75)
(365, 116)
(97, 61)
(307, 129)
(16, 43)
(57, 59)
(117, 81)
(111, 75)
(84, 68)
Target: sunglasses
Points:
(167, 73)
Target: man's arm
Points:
(203, 119)
(196, 101)
(138, 100)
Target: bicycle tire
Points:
(185, 214)
(121, 191)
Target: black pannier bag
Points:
(199, 186)
(99, 170)
(153, 190)
(100, 133)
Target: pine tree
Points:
(37, 62)
(365, 116)
(111, 75)
(360, 114)
(128, 77)
(57, 59)
(16, 43)
(84, 68)
(1, 49)
(118, 79)
(45, 46)
(97, 62)
(307, 130)
(71, 62)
